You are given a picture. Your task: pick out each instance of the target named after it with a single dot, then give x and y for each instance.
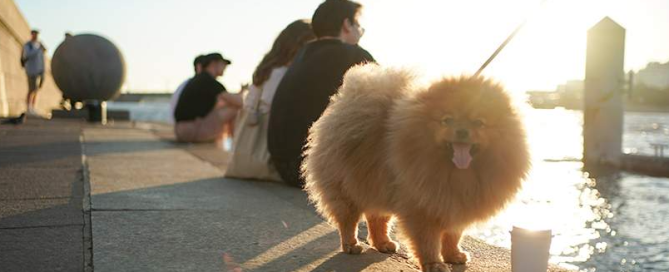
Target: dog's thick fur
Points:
(384, 147)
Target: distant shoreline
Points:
(626, 109)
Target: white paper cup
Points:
(530, 250)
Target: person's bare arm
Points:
(233, 100)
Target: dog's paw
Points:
(387, 246)
(436, 267)
(351, 249)
(459, 257)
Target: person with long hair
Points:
(250, 158)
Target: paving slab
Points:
(43, 161)
(220, 241)
(40, 144)
(38, 183)
(41, 197)
(41, 249)
(37, 213)
(172, 211)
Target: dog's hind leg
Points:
(450, 248)
(377, 226)
(347, 217)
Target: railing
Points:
(658, 150)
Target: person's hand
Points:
(243, 88)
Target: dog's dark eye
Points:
(478, 123)
(448, 121)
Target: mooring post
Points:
(603, 109)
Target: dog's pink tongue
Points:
(461, 156)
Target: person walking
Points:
(32, 60)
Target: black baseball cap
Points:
(215, 57)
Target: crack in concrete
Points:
(143, 210)
(87, 228)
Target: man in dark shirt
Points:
(205, 107)
(315, 75)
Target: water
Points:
(155, 111)
(612, 223)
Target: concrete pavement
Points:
(150, 204)
(42, 223)
(157, 206)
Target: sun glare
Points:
(456, 37)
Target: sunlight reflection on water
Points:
(595, 226)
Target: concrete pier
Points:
(125, 197)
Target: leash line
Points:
(501, 46)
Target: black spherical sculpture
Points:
(88, 67)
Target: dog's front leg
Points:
(424, 243)
(450, 248)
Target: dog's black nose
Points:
(462, 134)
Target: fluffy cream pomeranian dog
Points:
(438, 158)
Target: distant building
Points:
(568, 95)
(543, 99)
(571, 94)
(571, 86)
(655, 75)
(651, 87)
(650, 91)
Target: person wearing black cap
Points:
(205, 107)
(315, 74)
(197, 66)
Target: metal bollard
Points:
(97, 111)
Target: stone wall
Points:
(14, 31)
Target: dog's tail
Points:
(372, 79)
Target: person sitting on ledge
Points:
(197, 65)
(313, 77)
(205, 107)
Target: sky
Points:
(159, 39)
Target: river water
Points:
(617, 222)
